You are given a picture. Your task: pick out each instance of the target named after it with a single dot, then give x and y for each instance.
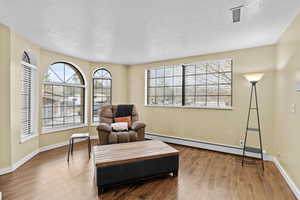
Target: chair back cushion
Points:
(107, 113)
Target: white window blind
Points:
(27, 101)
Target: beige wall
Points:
(5, 151)
(287, 124)
(215, 126)
(18, 46)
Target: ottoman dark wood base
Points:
(122, 163)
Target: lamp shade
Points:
(254, 77)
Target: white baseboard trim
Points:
(34, 153)
(204, 145)
(5, 170)
(24, 160)
(287, 178)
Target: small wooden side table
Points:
(79, 136)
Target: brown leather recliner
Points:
(108, 136)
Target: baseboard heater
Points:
(203, 145)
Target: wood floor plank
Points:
(203, 175)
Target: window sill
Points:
(52, 130)
(192, 107)
(25, 139)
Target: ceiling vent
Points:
(236, 13)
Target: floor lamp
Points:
(253, 78)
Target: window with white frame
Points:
(28, 90)
(63, 97)
(202, 84)
(102, 88)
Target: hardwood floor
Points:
(203, 175)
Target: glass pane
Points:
(75, 79)
(212, 79)
(58, 69)
(201, 79)
(69, 111)
(177, 91)
(212, 90)
(47, 90)
(168, 81)
(225, 90)
(69, 72)
(68, 91)
(78, 119)
(160, 82)
(224, 101)
(96, 119)
(177, 100)
(47, 122)
(47, 112)
(200, 68)
(151, 91)
(106, 83)
(47, 101)
(152, 73)
(78, 110)
(212, 67)
(58, 111)
(177, 81)
(212, 101)
(225, 78)
(58, 91)
(57, 101)
(190, 69)
(200, 101)
(160, 100)
(190, 90)
(58, 121)
(189, 100)
(102, 73)
(68, 120)
(190, 80)
(168, 91)
(50, 76)
(160, 72)
(200, 90)
(152, 82)
(151, 100)
(225, 66)
(168, 100)
(168, 71)
(178, 71)
(96, 110)
(160, 91)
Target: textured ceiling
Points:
(137, 31)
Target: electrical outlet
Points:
(242, 143)
(293, 108)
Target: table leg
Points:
(89, 146)
(72, 144)
(175, 173)
(69, 149)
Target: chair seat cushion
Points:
(121, 137)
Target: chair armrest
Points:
(138, 125)
(104, 127)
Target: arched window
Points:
(28, 91)
(101, 91)
(63, 97)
